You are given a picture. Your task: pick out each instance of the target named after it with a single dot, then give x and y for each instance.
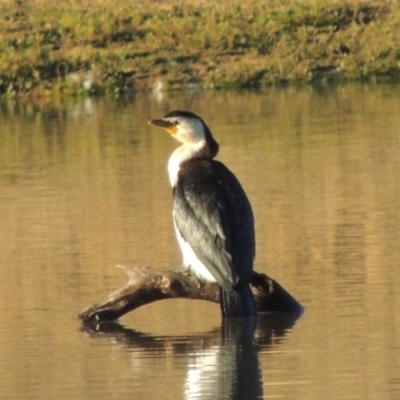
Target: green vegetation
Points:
(114, 45)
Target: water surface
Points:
(83, 187)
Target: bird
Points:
(212, 215)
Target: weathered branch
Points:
(147, 285)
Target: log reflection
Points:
(219, 364)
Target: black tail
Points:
(238, 301)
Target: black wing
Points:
(214, 216)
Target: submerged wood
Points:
(147, 285)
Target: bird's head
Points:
(189, 129)
(183, 126)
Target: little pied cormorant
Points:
(212, 216)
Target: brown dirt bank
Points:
(76, 47)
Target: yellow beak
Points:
(168, 126)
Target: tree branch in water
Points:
(147, 285)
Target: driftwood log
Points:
(147, 285)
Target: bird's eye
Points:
(176, 122)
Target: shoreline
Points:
(114, 47)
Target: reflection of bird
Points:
(228, 369)
(212, 216)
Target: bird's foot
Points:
(186, 270)
(181, 270)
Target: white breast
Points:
(181, 154)
(190, 260)
(174, 164)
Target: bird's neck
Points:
(184, 153)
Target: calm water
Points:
(83, 187)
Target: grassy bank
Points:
(113, 45)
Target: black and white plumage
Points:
(213, 218)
